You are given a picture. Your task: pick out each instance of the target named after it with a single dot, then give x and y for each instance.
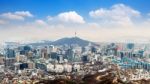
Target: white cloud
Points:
(118, 14)
(49, 18)
(70, 17)
(94, 30)
(2, 22)
(18, 15)
(40, 22)
(24, 13)
(12, 16)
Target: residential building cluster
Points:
(21, 63)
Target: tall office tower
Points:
(17, 56)
(9, 61)
(85, 58)
(130, 46)
(50, 48)
(93, 49)
(77, 57)
(24, 50)
(21, 58)
(121, 55)
(70, 54)
(54, 55)
(30, 55)
(44, 53)
(1, 59)
(38, 54)
(60, 58)
(10, 53)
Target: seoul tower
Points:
(75, 34)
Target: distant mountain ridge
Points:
(46, 42)
(63, 41)
(72, 40)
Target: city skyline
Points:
(98, 21)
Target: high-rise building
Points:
(1, 59)
(44, 53)
(10, 53)
(70, 54)
(130, 45)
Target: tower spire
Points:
(75, 34)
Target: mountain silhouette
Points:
(72, 40)
(63, 41)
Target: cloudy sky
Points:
(94, 20)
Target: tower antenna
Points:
(75, 34)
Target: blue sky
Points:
(94, 20)
(42, 8)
